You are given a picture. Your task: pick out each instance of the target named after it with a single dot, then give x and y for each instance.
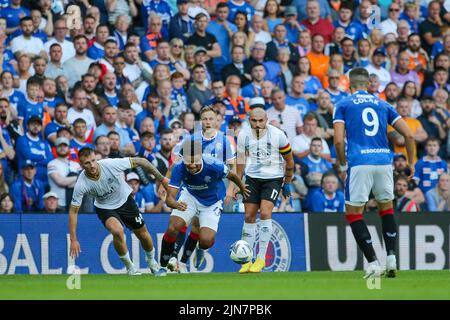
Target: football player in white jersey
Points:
(114, 204)
(264, 153)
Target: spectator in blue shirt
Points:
(32, 147)
(97, 51)
(13, 13)
(222, 29)
(27, 191)
(30, 106)
(328, 198)
(430, 167)
(145, 197)
(160, 8)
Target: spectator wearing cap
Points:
(178, 131)
(352, 28)
(418, 58)
(390, 24)
(402, 203)
(288, 117)
(420, 135)
(145, 197)
(280, 40)
(32, 147)
(222, 29)
(202, 38)
(181, 26)
(51, 203)
(242, 6)
(148, 42)
(315, 24)
(67, 47)
(376, 67)
(110, 124)
(75, 67)
(253, 89)
(293, 27)
(236, 67)
(159, 8)
(27, 191)
(110, 52)
(430, 29)
(62, 172)
(348, 54)
(401, 74)
(434, 120)
(26, 42)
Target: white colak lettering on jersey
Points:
(365, 98)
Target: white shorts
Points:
(208, 216)
(365, 178)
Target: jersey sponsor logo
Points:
(278, 256)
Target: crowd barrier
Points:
(39, 243)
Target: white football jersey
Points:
(264, 158)
(110, 190)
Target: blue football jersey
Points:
(219, 147)
(206, 185)
(427, 172)
(322, 203)
(366, 119)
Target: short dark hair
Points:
(33, 81)
(166, 131)
(26, 19)
(358, 76)
(63, 129)
(85, 152)
(316, 139)
(79, 120)
(147, 134)
(110, 41)
(222, 5)
(112, 133)
(55, 45)
(99, 137)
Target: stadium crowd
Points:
(129, 77)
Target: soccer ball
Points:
(241, 252)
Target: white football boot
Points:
(373, 270)
(391, 266)
(172, 265)
(182, 267)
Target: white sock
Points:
(265, 233)
(249, 233)
(150, 255)
(127, 261)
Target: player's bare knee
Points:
(250, 217)
(118, 233)
(172, 230)
(206, 242)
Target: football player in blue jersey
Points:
(197, 183)
(362, 119)
(217, 145)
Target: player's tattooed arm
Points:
(151, 169)
(234, 178)
(74, 244)
(171, 202)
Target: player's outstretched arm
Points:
(171, 202)
(404, 130)
(147, 166)
(234, 178)
(74, 244)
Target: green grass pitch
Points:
(289, 285)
